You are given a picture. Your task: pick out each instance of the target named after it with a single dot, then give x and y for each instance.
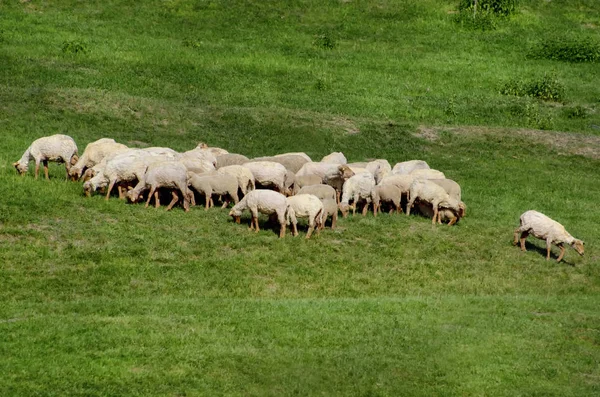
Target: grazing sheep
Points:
(225, 160)
(545, 228)
(128, 166)
(379, 168)
(401, 181)
(427, 174)
(305, 206)
(196, 165)
(335, 158)
(307, 180)
(358, 187)
(330, 209)
(425, 190)
(214, 183)
(163, 174)
(444, 214)
(263, 201)
(387, 194)
(93, 154)
(331, 174)
(243, 175)
(292, 162)
(268, 174)
(323, 192)
(59, 148)
(406, 167)
(450, 186)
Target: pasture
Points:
(107, 298)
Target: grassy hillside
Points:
(105, 298)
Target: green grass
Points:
(105, 298)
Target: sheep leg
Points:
(257, 229)
(45, 162)
(156, 199)
(524, 236)
(174, 200)
(111, 185)
(37, 169)
(548, 248)
(152, 191)
(409, 206)
(310, 230)
(282, 230)
(294, 229)
(333, 221)
(516, 236)
(453, 220)
(354, 207)
(365, 209)
(562, 252)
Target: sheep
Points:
(450, 186)
(401, 181)
(214, 183)
(93, 154)
(124, 167)
(215, 151)
(163, 174)
(389, 194)
(358, 187)
(335, 158)
(331, 174)
(292, 162)
(427, 174)
(323, 192)
(305, 206)
(307, 180)
(59, 148)
(231, 159)
(264, 201)
(268, 174)
(406, 167)
(425, 190)
(330, 208)
(379, 168)
(545, 228)
(196, 165)
(444, 214)
(244, 176)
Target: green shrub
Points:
(576, 112)
(495, 7)
(74, 47)
(548, 88)
(566, 49)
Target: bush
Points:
(566, 49)
(74, 47)
(548, 88)
(576, 112)
(495, 7)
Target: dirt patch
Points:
(565, 143)
(347, 125)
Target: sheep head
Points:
(89, 174)
(74, 159)
(87, 188)
(578, 246)
(345, 171)
(21, 169)
(344, 208)
(462, 209)
(235, 214)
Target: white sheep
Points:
(243, 175)
(225, 160)
(307, 180)
(128, 166)
(401, 181)
(450, 186)
(427, 174)
(330, 209)
(358, 187)
(545, 228)
(323, 192)
(406, 167)
(59, 148)
(425, 190)
(163, 174)
(268, 174)
(335, 158)
(305, 206)
(444, 214)
(331, 174)
(93, 154)
(292, 162)
(387, 194)
(264, 201)
(214, 183)
(379, 168)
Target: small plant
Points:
(325, 41)
(74, 47)
(496, 7)
(548, 88)
(192, 43)
(576, 112)
(566, 49)
(450, 109)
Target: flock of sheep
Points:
(284, 187)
